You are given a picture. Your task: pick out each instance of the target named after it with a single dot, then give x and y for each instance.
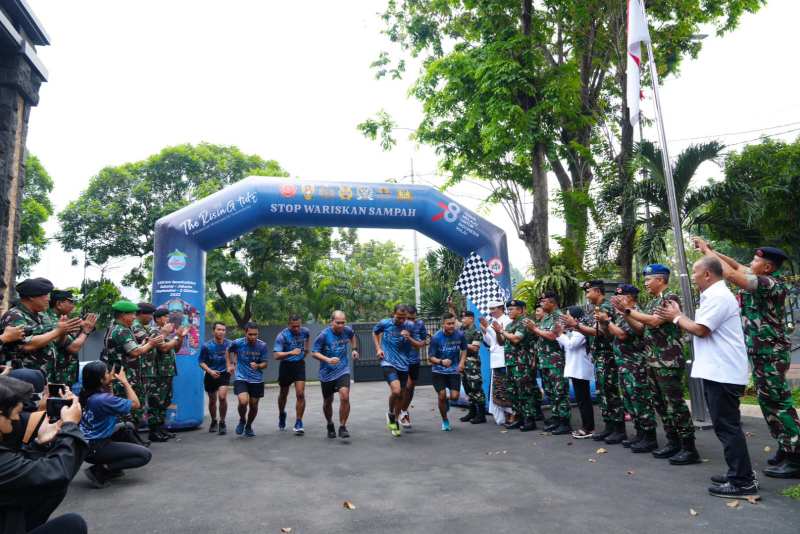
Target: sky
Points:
(291, 83)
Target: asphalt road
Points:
(476, 479)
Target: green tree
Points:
(97, 296)
(653, 232)
(116, 215)
(442, 268)
(36, 209)
(756, 204)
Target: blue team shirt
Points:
(100, 415)
(333, 345)
(245, 354)
(287, 342)
(213, 355)
(420, 333)
(396, 349)
(447, 348)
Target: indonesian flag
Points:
(637, 32)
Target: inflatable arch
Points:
(183, 237)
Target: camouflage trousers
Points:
(667, 386)
(775, 398)
(556, 387)
(140, 388)
(608, 387)
(63, 373)
(637, 397)
(159, 397)
(521, 386)
(473, 381)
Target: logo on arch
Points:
(495, 266)
(288, 190)
(176, 261)
(450, 212)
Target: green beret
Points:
(124, 306)
(34, 287)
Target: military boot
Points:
(788, 468)
(607, 431)
(628, 442)
(529, 423)
(672, 447)
(554, 423)
(618, 436)
(648, 443)
(563, 428)
(688, 454)
(516, 424)
(469, 415)
(777, 458)
(480, 414)
(156, 437)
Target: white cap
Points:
(495, 304)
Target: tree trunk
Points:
(628, 208)
(535, 233)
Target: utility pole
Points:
(416, 255)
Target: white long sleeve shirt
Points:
(577, 361)
(497, 357)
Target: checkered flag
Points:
(478, 283)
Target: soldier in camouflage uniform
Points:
(550, 357)
(762, 297)
(37, 349)
(666, 368)
(167, 369)
(631, 355)
(64, 369)
(472, 378)
(121, 348)
(520, 383)
(605, 364)
(146, 385)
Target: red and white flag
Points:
(637, 33)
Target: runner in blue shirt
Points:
(393, 342)
(332, 349)
(249, 355)
(420, 333)
(447, 354)
(291, 347)
(214, 361)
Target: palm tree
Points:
(653, 228)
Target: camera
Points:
(55, 390)
(117, 368)
(54, 406)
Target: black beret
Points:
(161, 312)
(593, 283)
(627, 289)
(60, 294)
(34, 287)
(550, 295)
(517, 303)
(773, 254)
(145, 307)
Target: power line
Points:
(763, 137)
(736, 133)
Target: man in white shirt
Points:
(497, 358)
(720, 360)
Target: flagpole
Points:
(699, 410)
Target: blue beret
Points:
(146, 308)
(656, 268)
(627, 289)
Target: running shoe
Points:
(223, 428)
(405, 419)
(343, 433)
(213, 427)
(393, 427)
(446, 426)
(298, 428)
(282, 421)
(240, 428)
(331, 431)
(248, 431)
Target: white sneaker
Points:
(405, 419)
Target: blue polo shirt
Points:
(286, 341)
(213, 354)
(447, 348)
(246, 353)
(101, 413)
(333, 345)
(420, 333)
(396, 349)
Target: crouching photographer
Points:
(33, 485)
(113, 445)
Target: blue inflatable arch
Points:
(183, 237)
